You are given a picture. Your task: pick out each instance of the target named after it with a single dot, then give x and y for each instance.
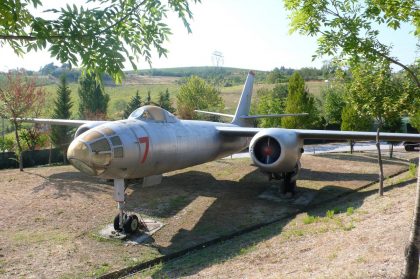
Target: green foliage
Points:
(415, 120)
(350, 211)
(275, 76)
(298, 101)
(330, 213)
(148, 98)
(375, 92)
(165, 101)
(351, 29)
(100, 37)
(271, 102)
(61, 135)
(93, 101)
(309, 219)
(32, 138)
(134, 104)
(20, 97)
(311, 73)
(196, 93)
(412, 170)
(354, 121)
(334, 104)
(6, 144)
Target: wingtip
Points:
(251, 73)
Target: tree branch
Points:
(377, 52)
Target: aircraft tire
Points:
(117, 222)
(131, 224)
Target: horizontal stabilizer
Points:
(215, 113)
(273, 115)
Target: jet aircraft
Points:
(152, 141)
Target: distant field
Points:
(121, 94)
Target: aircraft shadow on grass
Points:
(364, 157)
(235, 205)
(68, 183)
(238, 245)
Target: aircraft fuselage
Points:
(134, 148)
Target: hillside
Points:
(229, 80)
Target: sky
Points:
(250, 34)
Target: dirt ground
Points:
(50, 216)
(366, 238)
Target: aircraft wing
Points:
(323, 134)
(62, 122)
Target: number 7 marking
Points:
(144, 140)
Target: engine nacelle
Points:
(276, 150)
(85, 127)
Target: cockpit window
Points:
(151, 113)
(100, 146)
(107, 131)
(92, 135)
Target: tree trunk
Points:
(411, 250)
(16, 125)
(381, 169)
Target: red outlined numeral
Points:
(144, 140)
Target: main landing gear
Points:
(288, 180)
(123, 222)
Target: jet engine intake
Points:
(276, 150)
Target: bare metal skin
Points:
(152, 141)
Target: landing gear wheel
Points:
(289, 187)
(131, 224)
(117, 222)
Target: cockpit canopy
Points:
(152, 114)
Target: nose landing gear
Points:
(123, 222)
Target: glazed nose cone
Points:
(79, 156)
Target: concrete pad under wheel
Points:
(301, 198)
(135, 238)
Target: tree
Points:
(351, 29)
(32, 138)
(196, 93)
(375, 92)
(165, 101)
(61, 135)
(134, 104)
(100, 37)
(148, 98)
(415, 120)
(298, 101)
(19, 98)
(275, 76)
(271, 102)
(334, 104)
(352, 120)
(93, 101)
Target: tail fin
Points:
(244, 104)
